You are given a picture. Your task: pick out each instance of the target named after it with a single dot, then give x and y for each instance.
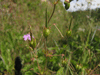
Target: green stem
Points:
(53, 10)
(46, 18)
(68, 64)
(70, 23)
(45, 45)
(30, 33)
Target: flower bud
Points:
(78, 67)
(64, 62)
(46, 32)
(68, 32)
(67, 5)
(32, 43)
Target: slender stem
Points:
(38, 65)
(46, 52)
(52, 13)
(68, 64)
(59, 31)
(93, 70)
(30, 33)
(46, 18)
(70, 22)
(53, 10)
(45, 46)
(46, 27)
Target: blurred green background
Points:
(17, 15)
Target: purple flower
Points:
(27, 37)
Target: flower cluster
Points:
(27, 37)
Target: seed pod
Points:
(64, 62)
(68, 32)
(78, 67)
(67, 5)
(32, 43)
(46, 32)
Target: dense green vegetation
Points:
(72, 48)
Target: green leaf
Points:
(27, 67)
(60, 71)
(28, 73)
(98, 50)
